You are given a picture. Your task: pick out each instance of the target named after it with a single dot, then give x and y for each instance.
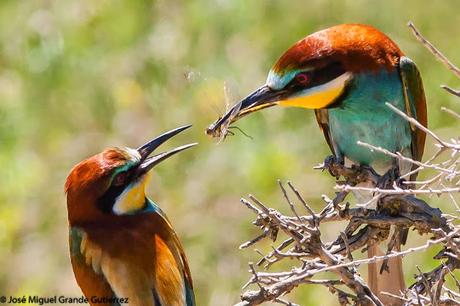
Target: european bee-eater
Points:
(122, 245)
(347, 73)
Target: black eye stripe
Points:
(107, 200)
(122, 177)
(328, 73)
(319, 76)
(119, 179)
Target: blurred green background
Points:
(79, 76)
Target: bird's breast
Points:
(363, 116)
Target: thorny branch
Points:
(394, 207)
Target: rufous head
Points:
(316, 70)
(113, 181)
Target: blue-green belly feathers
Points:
(363, 116)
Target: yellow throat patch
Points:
(132, 198)
(320, 96)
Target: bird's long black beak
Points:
(148, 162)
(261, 98)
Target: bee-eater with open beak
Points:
(122, 246)
(347, 73)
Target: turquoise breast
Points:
(363, 116)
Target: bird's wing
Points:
(415, 102)
(138, 257)
(91, 281)
(170, 249)
(414, 97)
(189, 294)
(322, 117)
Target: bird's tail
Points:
(391, 281)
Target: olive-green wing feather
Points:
(415, 104)
(414, 97)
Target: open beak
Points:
(261, 98)
(148, 162)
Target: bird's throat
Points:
(317, 100)
(132, 199)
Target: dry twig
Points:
(397, 208)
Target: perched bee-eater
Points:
(122, 246)
(347, 73)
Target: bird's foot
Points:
(353, 175)
(387, 180)
(333, 164)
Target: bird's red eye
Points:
(302, 78)
(119, 179)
